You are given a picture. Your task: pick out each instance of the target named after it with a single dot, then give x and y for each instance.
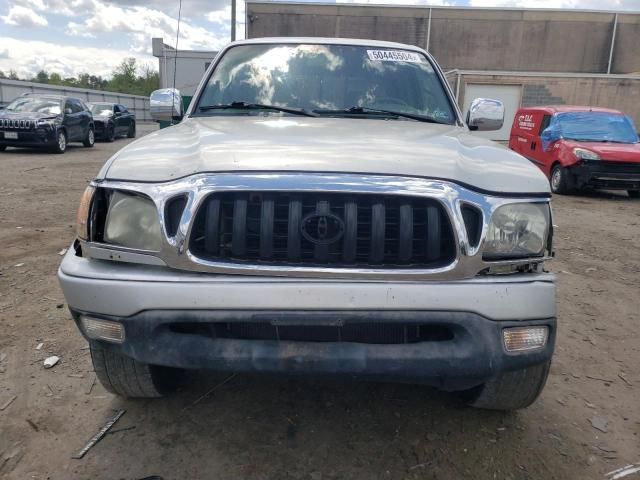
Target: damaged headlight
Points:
(132, 221)
(518, 230)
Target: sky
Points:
(93, 36)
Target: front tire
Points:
(90, 141)
(110, 134)
(559, 180)
(61, 142)
(132, 131)
(127, 377)
(510, 390)
(633, 193)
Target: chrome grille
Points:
(323, 229)
(17, 124)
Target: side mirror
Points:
(68, 111)
(485, 114)
(166, 105)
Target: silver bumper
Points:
(122, 290)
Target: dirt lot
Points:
(282, 428)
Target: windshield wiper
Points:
(256, 106)
(376, 111)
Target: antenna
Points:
(175, 62)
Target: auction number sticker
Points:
(394, 56)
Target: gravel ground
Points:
(256, 427)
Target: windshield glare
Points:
(327, 77)
(36, 104)
(98, 109)
(596, 127)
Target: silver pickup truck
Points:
(322, 208)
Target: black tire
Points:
(127, 377)
(633, 193)
(559, 180)
(510, 390)
(61, 142)
(3, 148)
(110, 134)
(132, 130)
(90, 141)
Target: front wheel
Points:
(633, 193)
(510, 390)
(559, 180)
(132, 131)
(125, 376)
(90, 140)
(61, 142)
(110, 135)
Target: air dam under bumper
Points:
(167, 316)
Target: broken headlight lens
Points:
(518, 230)
(132, 221)
(84, 209)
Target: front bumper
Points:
(101, 129)
(605, 174)
(40, 137)
(162, 311)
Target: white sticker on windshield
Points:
(394, 56)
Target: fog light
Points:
(99, 329)
(519, 339)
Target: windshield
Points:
(326, 79)
(594, 127)
(101, 109)
(51, 106)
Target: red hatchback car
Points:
(580, 147)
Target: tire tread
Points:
(125, 376)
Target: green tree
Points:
(41, 77)
(55, 79)
(2, 75)
(13, 75)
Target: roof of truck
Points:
(551, 109)
(327, 41)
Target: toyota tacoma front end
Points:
(308, 215)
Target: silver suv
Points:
(321, 208)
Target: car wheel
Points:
(132, 131)
(559, 181)
(127, 377)
(111, 134)
(510, 390)
(633, 193)
(90, 140)
(61, 142)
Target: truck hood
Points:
(613, 152)
(269, 143)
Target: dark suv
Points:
(46, 121)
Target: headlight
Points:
(82, 219)
(49, 122)
(132, 221)
(584, 154)
(518, 230)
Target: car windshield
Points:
(331, 80)
(101, 109)
(51, 106)
(595, 127)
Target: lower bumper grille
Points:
(369, 333)
(327, 229)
